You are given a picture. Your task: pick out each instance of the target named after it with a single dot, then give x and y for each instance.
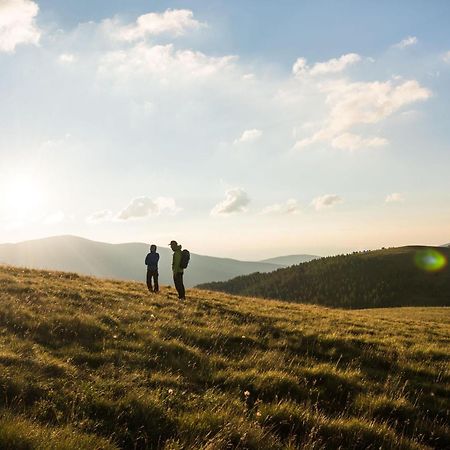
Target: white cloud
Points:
(249, 136)
(395, 197)
(334, 65)
(366, 103)
(407, 42)
(300, 67)
(144, 206)
(362, 103)
(100, 216)
(350, 141)
(446, 57)
(236, 200)
(174, 22)
(17, 24)
(162, 61)
(55, 218)
(67, 58)
(289, 207)
(326, 201)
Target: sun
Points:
(23, 196)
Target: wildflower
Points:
(115, 336)
(246, 394)
(170, 391)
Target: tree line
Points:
(382, 278)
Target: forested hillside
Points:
(405, 276)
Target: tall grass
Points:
(89, 363)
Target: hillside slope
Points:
(388, 277)
(89, 364)
(121, 261)
(290, 260)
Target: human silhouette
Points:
(177, 270)
(151, 261)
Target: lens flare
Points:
(430, 260)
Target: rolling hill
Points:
(388, 277)
(120, 261)
(87, 363)
(290, 260)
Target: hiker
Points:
(177, 269)
(151, 261)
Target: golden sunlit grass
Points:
(88, 363)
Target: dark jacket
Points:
(151, 260)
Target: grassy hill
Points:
(121, 261)
(97, 364)
(389, 277)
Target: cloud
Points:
(350, 141)
(326, 201)
(144, 206)
(357, 103)
(67, 58)
(173, 22)
(163, 61)
(407, 42)
(249, 136)
(395, 197)
(289, 207)
(367, 103)
(334, 65)
(300, 67)
(100, 216)
(17, 24)
(236, 200)
(446, 57)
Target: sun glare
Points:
(23, 197)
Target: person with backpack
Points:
(151, 261)
(180, 261)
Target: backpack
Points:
(185, 257)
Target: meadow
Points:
(87, 363)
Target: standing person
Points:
(177, 269)
(151, 261)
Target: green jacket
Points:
(176, 261)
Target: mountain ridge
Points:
(120, 260)
(290, 260)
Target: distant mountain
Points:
(290, 260)
(388, 277)
(121, 261)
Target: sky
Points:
(242, 129)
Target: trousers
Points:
(179, 286)
(152, 275)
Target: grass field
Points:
(88, 363)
